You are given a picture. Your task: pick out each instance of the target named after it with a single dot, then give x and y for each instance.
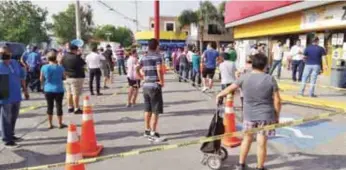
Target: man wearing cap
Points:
(313, 59)
(74, 70)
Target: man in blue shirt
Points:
(313, 61)
(209, 58)
(33, 61)
(13, 74)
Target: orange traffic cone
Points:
(73, 153)
(229, 123)
(88, 141)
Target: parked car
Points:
(17, 49)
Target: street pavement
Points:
(317, 145)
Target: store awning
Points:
(244, 12)
(164, 35)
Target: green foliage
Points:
(121, 35)
(206, 14)
(64, 24)
(187, 17)
(22, 21)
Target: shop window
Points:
(169, 26)
(212, 29)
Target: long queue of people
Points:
(61, 73)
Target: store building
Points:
(269, 21)
(170, 36)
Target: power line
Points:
(121, 14)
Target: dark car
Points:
(17, 49)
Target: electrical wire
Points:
(121, 14)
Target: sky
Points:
(103, 15)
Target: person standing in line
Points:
(94, 64)
(152, 89)
(12, 80)
(34, 62)
(109, 57)
(74, 71)
(196, 68)
(209, 57)
(120, 54)
(132, 78)
(262, 107)
(106, 69)
(277, 55)
(228, 71)
(314, 55)
(52, 76)
(189, 59)
(232, 52)
(176, 60)
(297, 61)
(183, 65)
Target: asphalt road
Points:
(318, 145)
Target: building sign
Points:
(324, 17)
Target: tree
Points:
(122, 35)
(64, 24)
(22, 21)
(205, 15)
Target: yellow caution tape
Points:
(189, 143)
(30, 108)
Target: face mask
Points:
(5, 56)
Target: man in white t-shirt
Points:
(277, 55)
(297, 61)
(227, 70)
(189, 59)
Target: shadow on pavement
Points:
(186, 134)
(31, 158)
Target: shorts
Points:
(208, 72)
(74, 86)
(106, 72)
(134, 83)
(248, 125)
(153, 100)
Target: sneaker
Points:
(241, 167)
(17, 139)
(106, 87)
(92, 94)
(99, 94)
(70, 110)
(261, 168)
(155, 137)
(78, 111)
(313, 96)
(11, 145)
(146, 133)
(204, 89)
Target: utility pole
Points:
(78, 26)
(136, 4)
(157, 19)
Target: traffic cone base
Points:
(94, 153)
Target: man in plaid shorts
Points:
(262, 105)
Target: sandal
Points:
(51, 127)
(62, 126)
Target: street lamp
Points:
(108, 34)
